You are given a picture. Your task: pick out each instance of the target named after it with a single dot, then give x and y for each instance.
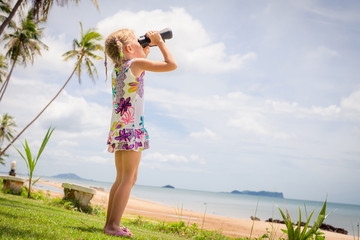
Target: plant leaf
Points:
(22, 156)
(35, 181)
(318, 222)
(45, 141)
(303, 233)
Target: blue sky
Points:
(266, 97)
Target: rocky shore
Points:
(323, 226)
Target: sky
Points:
(266, 96)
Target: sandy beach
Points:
(228, 226)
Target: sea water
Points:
(345, 216)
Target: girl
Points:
(128, 136)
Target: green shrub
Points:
(297, 234)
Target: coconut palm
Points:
(83, 53)
(23, 44)
(4, 8)
(2, 158)
(3, 67)
(7, 125)
(41, 9)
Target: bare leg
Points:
(128, 172)
(115, 186)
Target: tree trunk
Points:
(5, 84)
(38, 114)
(29, 192)
(8, 19)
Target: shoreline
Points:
(233, 227)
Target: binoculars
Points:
(165, 34)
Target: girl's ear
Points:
(129, 49)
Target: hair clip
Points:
(121, 55)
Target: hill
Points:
(69, 176)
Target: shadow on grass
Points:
(89, 229)
(9, 232)
(8, 215)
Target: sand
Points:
(228, 226)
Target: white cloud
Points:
(51, 61)
(351, 105)
(192, 45)
(156, 160)
(207, 133)
(316, 57)
(159, 157)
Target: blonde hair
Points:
(114, 45)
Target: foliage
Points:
(30, 161)
(83, 50)
(24, 43)
(3, 67)
(7, 125)
(2, 157)
(75, 206)
(297, 234)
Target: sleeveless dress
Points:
(127, 130)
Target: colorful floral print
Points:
(133, 87)
(127, 131)
(128, 116)
(123, 106)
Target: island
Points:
(260, 193)
(70, 176)
(168, 186)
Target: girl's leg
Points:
(129, 168)
(115, 186)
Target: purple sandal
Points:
(124, 232)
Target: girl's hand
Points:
(154, 37)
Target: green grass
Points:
(23, 218)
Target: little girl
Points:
(128, 136)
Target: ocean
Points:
(344, 216)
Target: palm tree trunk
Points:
(39, 113)
(8, 19)
(5, 84)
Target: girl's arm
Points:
(143, 64)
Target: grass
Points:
(40, 217)
(23, 218)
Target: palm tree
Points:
(7, 125)
(4, 8)
(2, 158)
(41, 9)
(24, 43)
(83, 52)
(3, 66)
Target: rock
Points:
(254, 218)
(330, 228)
(13, 183)
(323, 226)
(261, 193)
(79, 194)
(274, 220)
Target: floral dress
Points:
(127, 131)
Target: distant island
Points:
(261, 193)
(168, 186)
(70, 176)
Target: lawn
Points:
(22, 218)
